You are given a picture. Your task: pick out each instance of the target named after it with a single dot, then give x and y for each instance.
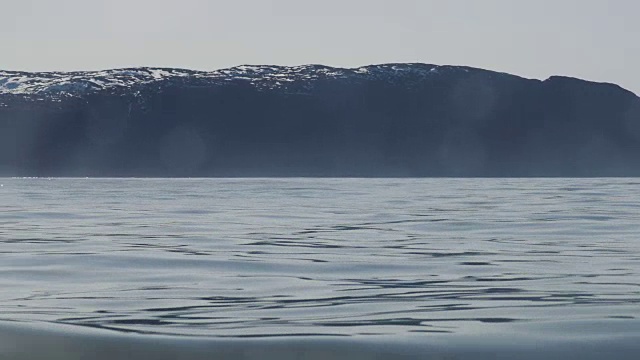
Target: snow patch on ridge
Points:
(260, 76)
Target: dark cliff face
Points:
(384, 120)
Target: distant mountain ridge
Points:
(261, 76)
(314, 120)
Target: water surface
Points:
(324, 258)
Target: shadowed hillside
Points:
(381, 120)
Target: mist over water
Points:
(409, 260)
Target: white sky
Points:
(592, 39)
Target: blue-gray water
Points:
(505, 262)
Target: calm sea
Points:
(442, 267)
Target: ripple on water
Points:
(321, 257)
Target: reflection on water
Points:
(321, 257)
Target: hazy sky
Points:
(592, 39)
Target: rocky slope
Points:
(379, 120)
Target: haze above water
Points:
(311, 257)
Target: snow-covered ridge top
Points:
(261, 76)
(81, 82)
